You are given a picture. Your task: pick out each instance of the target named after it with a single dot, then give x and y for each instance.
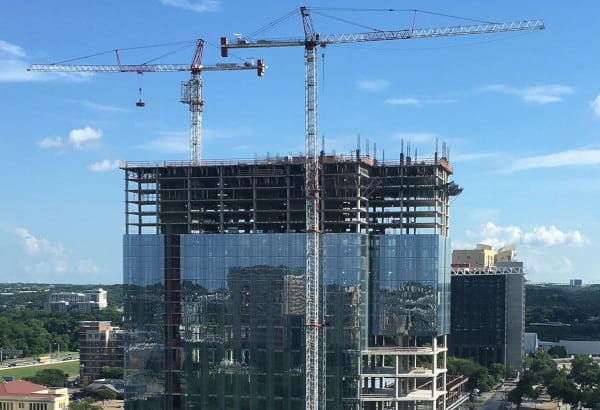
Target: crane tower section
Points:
(315, 337)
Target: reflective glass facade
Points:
(230, 334)
(410, 286)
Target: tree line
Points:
(25, 324)
(577, 309)
(576, 386)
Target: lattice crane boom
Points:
(139, 69)
(191, 90)
(315, 338)
(324, 40)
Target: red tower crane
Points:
(191, 90)
(315, 339)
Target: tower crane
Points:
(315, 339)
(191, 90)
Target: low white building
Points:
(90, 300)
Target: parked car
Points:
(13, 364)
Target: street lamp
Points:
(58, 350)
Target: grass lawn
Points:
(71, 368)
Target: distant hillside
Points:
(33, 295)
(563, 312)
(26, 326)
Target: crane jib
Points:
(145, 68)
(403, 34)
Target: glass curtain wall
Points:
(410, 287)
(239, 312)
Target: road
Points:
(494, 400)
(30, 363)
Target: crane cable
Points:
(122, 49)
(271, 25)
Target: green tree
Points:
(50, 377)
(585, 372)
(515, 396)
(34, 329)
(482, 379)
(541, 368)
(580, 386)
(576, 307)
(107, 372)
(526, 384)
(558, 352)
(103, 394)
(498, 371)
(477, 374)
(558, 386)
(591, 399)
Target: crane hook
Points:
(140, 103)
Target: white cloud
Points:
(179, 141)
(81, 136)
(41, 257)
(197, 6)
(78, 138)
(372, 85)
(101, 107)
(51, 142)
(560, 159)
(499, 236)
(418, 102)
(13, 67)
(30, 243)
(540, 236)
(552, 236)
(543, 94)
(87, 265)
(221, 133)
(105, 165)
(415, 137)
(544, 266)
(11, 50)
(474, 156)
(176, 142)
(596, 107)
(403, 101)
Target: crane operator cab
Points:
(140, 103)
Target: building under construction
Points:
(214, 269)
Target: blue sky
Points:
(519, 111)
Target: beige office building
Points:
(483, 256)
